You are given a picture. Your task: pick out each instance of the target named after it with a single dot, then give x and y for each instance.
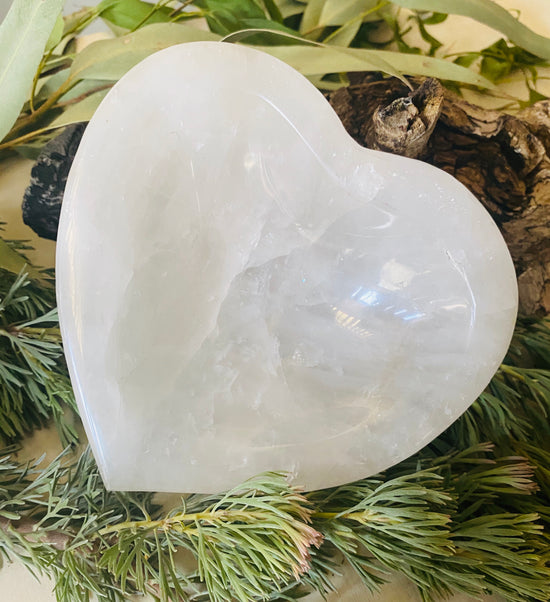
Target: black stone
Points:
(44, 195)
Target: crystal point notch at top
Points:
(243, 288)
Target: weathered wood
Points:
(503, 159)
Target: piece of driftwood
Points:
(503, 159)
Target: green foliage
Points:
(502, 58)
(133, 14)
(24, 35)
(34, 378)
(491, 14)
(457, 526)
(347, 36)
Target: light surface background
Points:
(459, 34)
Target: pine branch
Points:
(442, 525)
(34, 382)
(254, 539)
(251, 543)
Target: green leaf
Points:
(289, 8)
(224, 18)
(111, 59)
(339, 12)
(81, 111)
(75, 22)
(345, 34)
(57, 33)
(467, 59)
(49, 84)
(24, 34)
(130, 14)
(31, 150)
(491, 14)
(283, 34)
(273, 10)
(434, 18)
(312, 16)
(375, 61)
(269, 27)
(320, 60)
(434, 43)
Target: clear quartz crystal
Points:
(243, 288)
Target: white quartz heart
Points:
(243, 288)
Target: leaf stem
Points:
(25, 138)
(33, 117)
(84, 95)
(167, 522)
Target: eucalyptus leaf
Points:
(435, 18)
(24, 34)
(269, 26)
(502, 58)
(491, 14)
(75, 22)
(323, 84)
(240, 9)
(290, 35)
(320, 60)
(289, 8)
(56, 34)
(49, 84)
(111, 59)
(312, 16)
(339, 12)
(130, 14)
(80, 111)
(226, 17)
(84, 88)
(345, 34)
(57, 62)
(31, 150)
(273, 10)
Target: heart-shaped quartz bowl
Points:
(244, 288)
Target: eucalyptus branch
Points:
(28, 120)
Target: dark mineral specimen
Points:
(44, 195)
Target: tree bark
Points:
(503, 159)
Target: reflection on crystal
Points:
(350, 322)
(366, 296)
(267, 295)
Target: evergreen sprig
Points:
(34, 377)
(451, 527)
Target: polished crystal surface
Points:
(243, 288)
